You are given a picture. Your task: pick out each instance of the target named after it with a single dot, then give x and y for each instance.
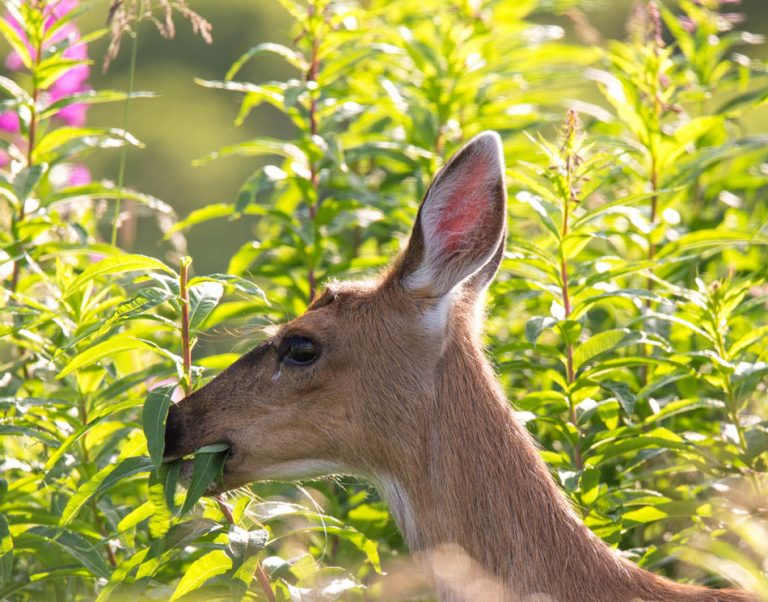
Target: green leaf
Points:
(49, 70)
(535, 326)
(91, 97)
(123, 570)
(293, 58)
(206, 469)
(597, 345)
(153, 420)
(10, 430)
(749, 339)
(118, 264)
(705, 239)
(102, 481)
(77, 546)
(236, 282)
(616, 206)
(14, 91)
(6, 550)
(203, 299)
(626, 293)
(243, 543)
(113, 346)
(169, 474)
(26, 180)
(201, 570)
(15, 41)
(259, 147)
(751, 99)
(646, 514)
(146, 299)
(612, 447)
(202, 215)
(757, 439)
(64, 142)
(259, 187)
(590, 485)
(135, 516)
(622, 393)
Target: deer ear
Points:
(460, 224)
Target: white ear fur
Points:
(460, 223)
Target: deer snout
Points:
(174, 435)
(180, 439)
(187, 429)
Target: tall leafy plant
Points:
(627, 322)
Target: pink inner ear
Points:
(463, 210)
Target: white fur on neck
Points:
(302, 469)
(400, 506)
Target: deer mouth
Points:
(213, 467)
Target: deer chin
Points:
(236, 475)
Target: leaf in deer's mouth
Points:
(201, 475)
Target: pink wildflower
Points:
(74, 79)
(79, 175)
(9, 122)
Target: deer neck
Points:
(478, 503)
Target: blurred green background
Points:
(188, 121)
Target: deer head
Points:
(348, 386)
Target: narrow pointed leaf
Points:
(153, 420)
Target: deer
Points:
(388, 380)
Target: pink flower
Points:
(9, 122)
(79, 175)
(59, 8)
(74, 79)
(74, 114)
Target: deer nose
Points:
(174, 435)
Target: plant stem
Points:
(570, 196)
(124, 149)
(314, 172)
(186, 348)
(654, 179)
(261, 575)
(654, 36)
(186, 353)
(259, 571)
(570, 377)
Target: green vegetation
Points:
(628, 322)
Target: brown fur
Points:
(422, 415)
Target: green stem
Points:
(312, 204)
(186, 347)
(569, 195)
(124, 149)
(259, 571)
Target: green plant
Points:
(627, 323)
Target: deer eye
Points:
(298, 351)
